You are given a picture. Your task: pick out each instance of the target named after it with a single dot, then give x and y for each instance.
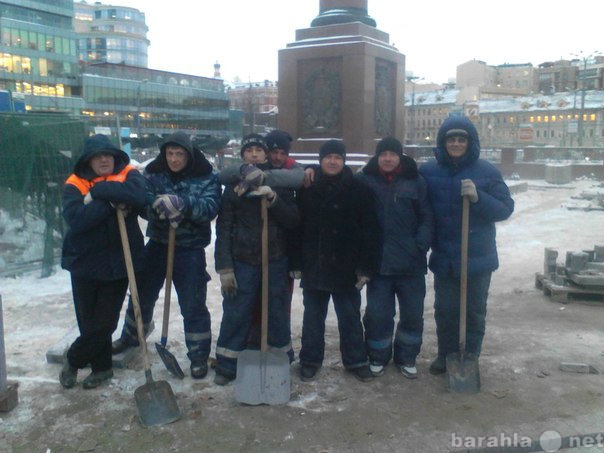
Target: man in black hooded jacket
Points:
(182, 191)
(92, 252)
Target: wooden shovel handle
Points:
(168, 285)
(264, 321)
(133, 288)
(463, 284)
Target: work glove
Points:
(170, 207)
(362, 280)
(88, 198)
(228, 282)
(468, 189)
(122, 207)
(296, 275)
(251, 178)
(263, 191)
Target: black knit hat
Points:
(332, 147)
(389, 144)
(278, 140)
(253, 140)
(457, 133)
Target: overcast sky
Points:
(189, 36)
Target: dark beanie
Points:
(332, 147)
(457, 133)
(389, 144)
(278, 140)
(253, 140)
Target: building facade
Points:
(258, 102)
(566, 119)
(38, 53)
(152, 102)
(111, 34)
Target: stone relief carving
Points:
(384, 100)
(321, 102)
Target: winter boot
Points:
(362, 373)
(308, 373)
(95, 379)
(199, 369)
(438, 366)
(68, 376)
(120, 345)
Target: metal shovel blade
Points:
(262, 377)
(156, 404)
(169, 361)
(463, 373)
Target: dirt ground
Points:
(524, 394)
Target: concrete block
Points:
(558, 174)
(57, 351)
(578, 260)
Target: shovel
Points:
(166, 356)
(263, 376)
(155, 401)
(462, 369)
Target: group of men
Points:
(336, 231)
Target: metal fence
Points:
(37, 153)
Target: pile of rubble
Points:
(581, 277)
(589, 200)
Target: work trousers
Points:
(348, 311)
(382, 292)
(190, 282)
(97, 306)
(446, 311)
(238, 313)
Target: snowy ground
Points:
(523, 392)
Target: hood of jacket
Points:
(95, 145)
(473, 152)
(197, 164)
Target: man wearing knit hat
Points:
(239, 262)
(458, 172)
(337, 253)
(406, 223)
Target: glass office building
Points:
(111, 34)
(153, 102)
(38, 55)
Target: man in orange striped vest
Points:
(102, 180)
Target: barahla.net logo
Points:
(549, 441)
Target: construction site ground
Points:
(524, 393)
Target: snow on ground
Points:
(39, 312)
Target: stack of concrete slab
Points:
(56, 352)
(581, 277)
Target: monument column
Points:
(341, 79)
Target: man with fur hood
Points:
(406, 223)
(102, 181)
(182, 191)
(459, 172)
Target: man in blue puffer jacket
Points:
(183, 191)
(407, 225)
(457, 172)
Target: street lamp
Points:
(411, 79)
(138, 108)
(585, 59)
